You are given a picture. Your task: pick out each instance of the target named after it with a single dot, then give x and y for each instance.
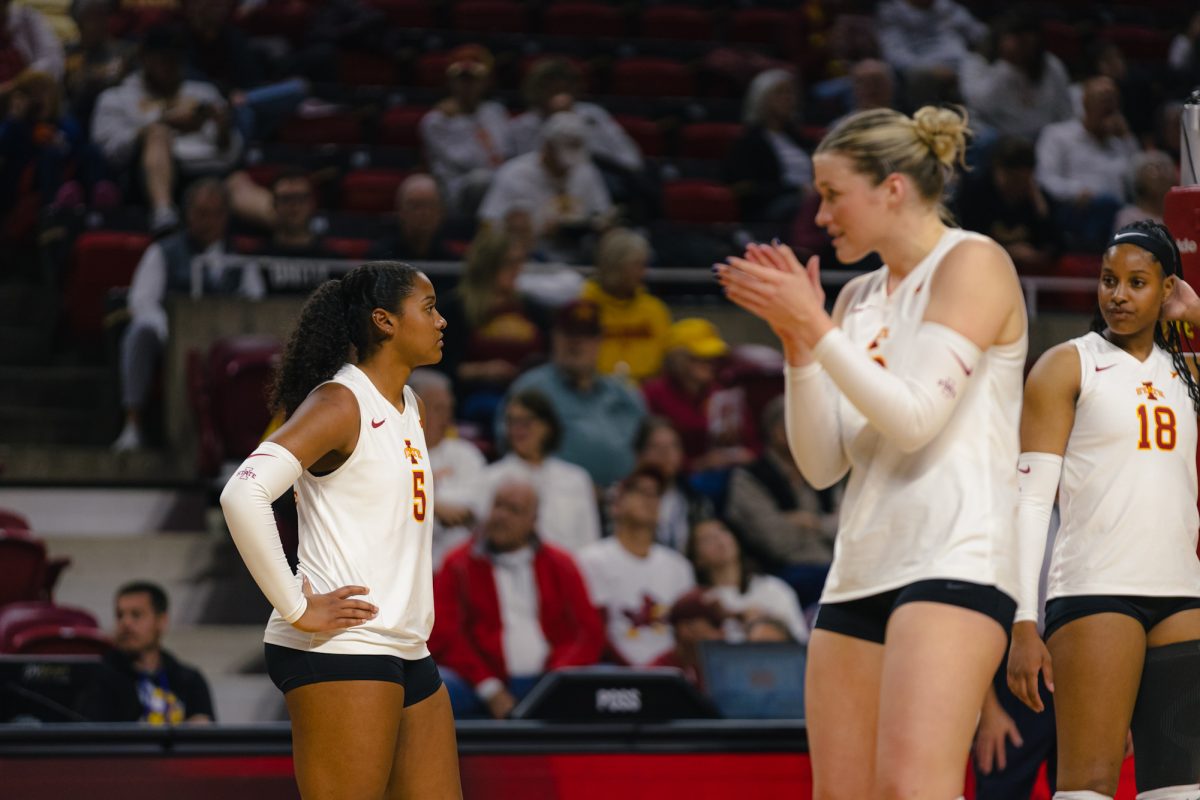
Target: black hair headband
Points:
(1164, 253)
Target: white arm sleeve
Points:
(813, 430)
(911, 407)
(1037, 479)
(266, 473)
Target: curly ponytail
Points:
(335, 326)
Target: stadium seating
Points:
(489, 15)
(102, 260)
(23, 564)
(19, 617)
(371, 191)
(339, 127)
(398, 126)
(406, 13)
(677, 22)
(583, 20)
(60, 640)
(709, 140)
(699, 201)
(651, 77)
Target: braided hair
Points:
(335, 326)
(1154, 238)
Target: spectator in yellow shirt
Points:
(634, 322)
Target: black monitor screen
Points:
(43, 688)
(760, 680)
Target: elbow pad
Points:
(1037, 479)
(266, 474)
(908, 408)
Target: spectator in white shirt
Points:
(1151, 175)
(553, 85)
(188, 262)
(1024, 88)
(1183, 56)
(926, 34)
(1082, 164)
(567, 512)
(458, 465)
(157, 124)
(27, 41)
(563, 191)
(633, 580)
(463, 135)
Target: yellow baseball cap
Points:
(698, 336)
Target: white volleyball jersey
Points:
(370, 523)
(1127, 495)
(949, 510)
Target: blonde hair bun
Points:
(944, 131)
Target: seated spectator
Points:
(783, 521)
(769, 167)
(187, 262)
(599, 414)
(633, 321)
(58, 16)
(463, 136)
(97, 61)
(1023, 88)
(1183, 57)
(559, 186)
(138, 680)
(926, 36)
(713, 422)
(744, 595)
(1005, 202)
(567, 513)
(632, 580)
(1151, 174)
(419, 234)
(696, 617)
(873, 85)
(1082, 164)
(294, 203)
(659, 447)
(553, 85)
(457, 463)
(510, 608)
(155, 124)
(26, 42)
(492, 330)
(39, 150)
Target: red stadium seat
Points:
(13, 520)
(1063, 39)
(287, 18)
(349, 248)
(762, 26)
(103, 260)
(677, 22)
(711, 140)
(264, 174)
(646, 132)
(583, 20)
(406, 13)
(17, 618)
(1139, 43)
(371, 191)
(652, 77)
(493, 16)
(431, 69)
(61, 640)
(228, 392)
(398, 127)
(23, 565)
(340, 127)
(699, 201)
(365, 69)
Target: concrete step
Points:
(72, 464)
(60, 387)
(26, 424)
(29, 346)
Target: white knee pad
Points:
(1078, 795)
(1188, 792)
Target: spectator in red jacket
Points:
(509, 608)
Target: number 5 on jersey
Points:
(418, 500)
(1164, 428)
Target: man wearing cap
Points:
(463, 135)
(711, 421)
(563, 191)
(160, 124)
(600, 415)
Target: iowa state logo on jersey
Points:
(1148, 391)
(410, 452)
(874, 349)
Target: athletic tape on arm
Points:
(266, 474)
(910, 408)
(1037, 480)
(813, 431)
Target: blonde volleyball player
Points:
(1110, 424)
(346, 642)
(914, 386)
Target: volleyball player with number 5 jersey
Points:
(1109, 423)
(370, 716)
